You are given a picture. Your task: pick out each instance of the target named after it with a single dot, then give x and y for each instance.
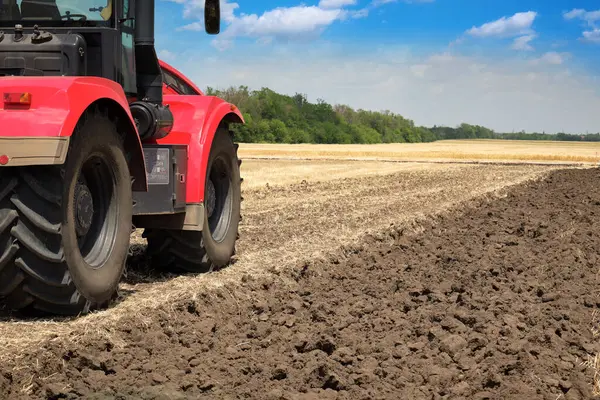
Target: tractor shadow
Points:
(138, 273)
(139, 269)
(7, 315)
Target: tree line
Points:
(276, 118)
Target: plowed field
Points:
(432, 282)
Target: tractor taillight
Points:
(17, 98)
(4, 159)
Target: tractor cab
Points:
(69, 38)
(112, 39)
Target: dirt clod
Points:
(493, 302)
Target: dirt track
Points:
(496, 301)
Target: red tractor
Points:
(98, 136)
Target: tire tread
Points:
(34, 275)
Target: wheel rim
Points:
(96, 210)
(219, 199)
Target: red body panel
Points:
(57, 103)
(196, 121)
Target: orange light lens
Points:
(17, 98)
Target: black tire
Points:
(214, 246)
(52, 259)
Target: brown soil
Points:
(495, 300)
(283, 223)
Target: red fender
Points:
(196, 119)
(57, 104)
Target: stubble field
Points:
(488, 151)
(354, 280)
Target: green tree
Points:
(276, 118)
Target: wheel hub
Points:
(210, 198)
(219, 201)
(84, 206)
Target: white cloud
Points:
(166, 55)
(284, 21)
(336, 3)
(377, 3)
(300, 22)
(578, 13)
(296, 22)
(592, 36)
(591, 19)
(443, 89)
(574, 13)
(518, 24)
(362, 13)
(551, 57)
(419, 70)
(523, 42)
(195, 9)
(592, 16)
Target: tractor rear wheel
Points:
(64, 230)
(213, 247)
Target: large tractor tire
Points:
(64, 230)
(213, 247)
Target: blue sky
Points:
(509, 65)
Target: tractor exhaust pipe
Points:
(153, 119)
(144, 28)
(149, 77)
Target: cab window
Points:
(176, 84)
